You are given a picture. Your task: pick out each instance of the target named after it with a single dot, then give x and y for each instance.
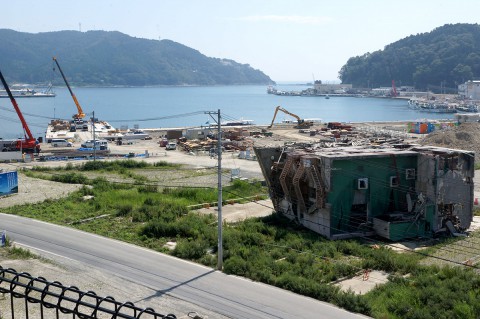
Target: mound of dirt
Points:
(465, 137)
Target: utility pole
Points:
(219, 173)
(93, 132)
(220, 219)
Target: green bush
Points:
(352, 302)
(70, 178)
(124, 209)
(113, 165)
(148, 189)
(158, 228)
(236, 266)
(19, 253)
(190, 249)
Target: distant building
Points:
(406, 88)
(470, 90)
(322, 88)
(382, 91)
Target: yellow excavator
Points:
(300, 122)
(80, 115)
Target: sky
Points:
(290, 41)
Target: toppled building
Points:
(394, 192)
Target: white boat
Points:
(238, 123)
(27, 92)
(136, 135)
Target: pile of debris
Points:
(339, 135)
(465, 136)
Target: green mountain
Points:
(114, 58)
(442, 58)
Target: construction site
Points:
(340, 180)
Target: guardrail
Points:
(44, 299)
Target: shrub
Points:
(158, 228)
(70, 178)
(161, 164)
(190, 249)
(148, 189)
(20, 253)
(235, 266)
(124, 209)
(352, 302)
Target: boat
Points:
(238, 123)
(467, 108)
(437, 108)
(431, 107)
(28, 92)
(136, 135)
(271, 90)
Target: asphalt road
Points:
(227, 295)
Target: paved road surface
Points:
(227, 295)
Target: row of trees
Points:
(113, 58)
(446, 57)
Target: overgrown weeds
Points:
(272, 249)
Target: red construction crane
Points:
(30, 144)
(394, 89)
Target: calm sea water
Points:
(146, 107)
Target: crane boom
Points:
(394, 89)
(80, 114)
(30, 142)
(17, 109)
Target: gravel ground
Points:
(33, 190)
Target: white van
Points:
(99, 144)
(59, 142)
(171, 146)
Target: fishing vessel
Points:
(28, 92)
(240, 122)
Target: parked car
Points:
(58, 142)
(171, 146)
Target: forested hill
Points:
(114, 58)
(444, 57)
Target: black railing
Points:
(44, 299)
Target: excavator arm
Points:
(80, 114)
(279, 108)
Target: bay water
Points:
(162, 107)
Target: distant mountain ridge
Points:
(443, 58)
(111, 58)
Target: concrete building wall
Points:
(343, 192)
(470, 90)
(331, 88)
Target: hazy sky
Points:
(288, 40)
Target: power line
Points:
(161, 117)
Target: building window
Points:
(362, 183)
(394, 181)
(410, 173)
